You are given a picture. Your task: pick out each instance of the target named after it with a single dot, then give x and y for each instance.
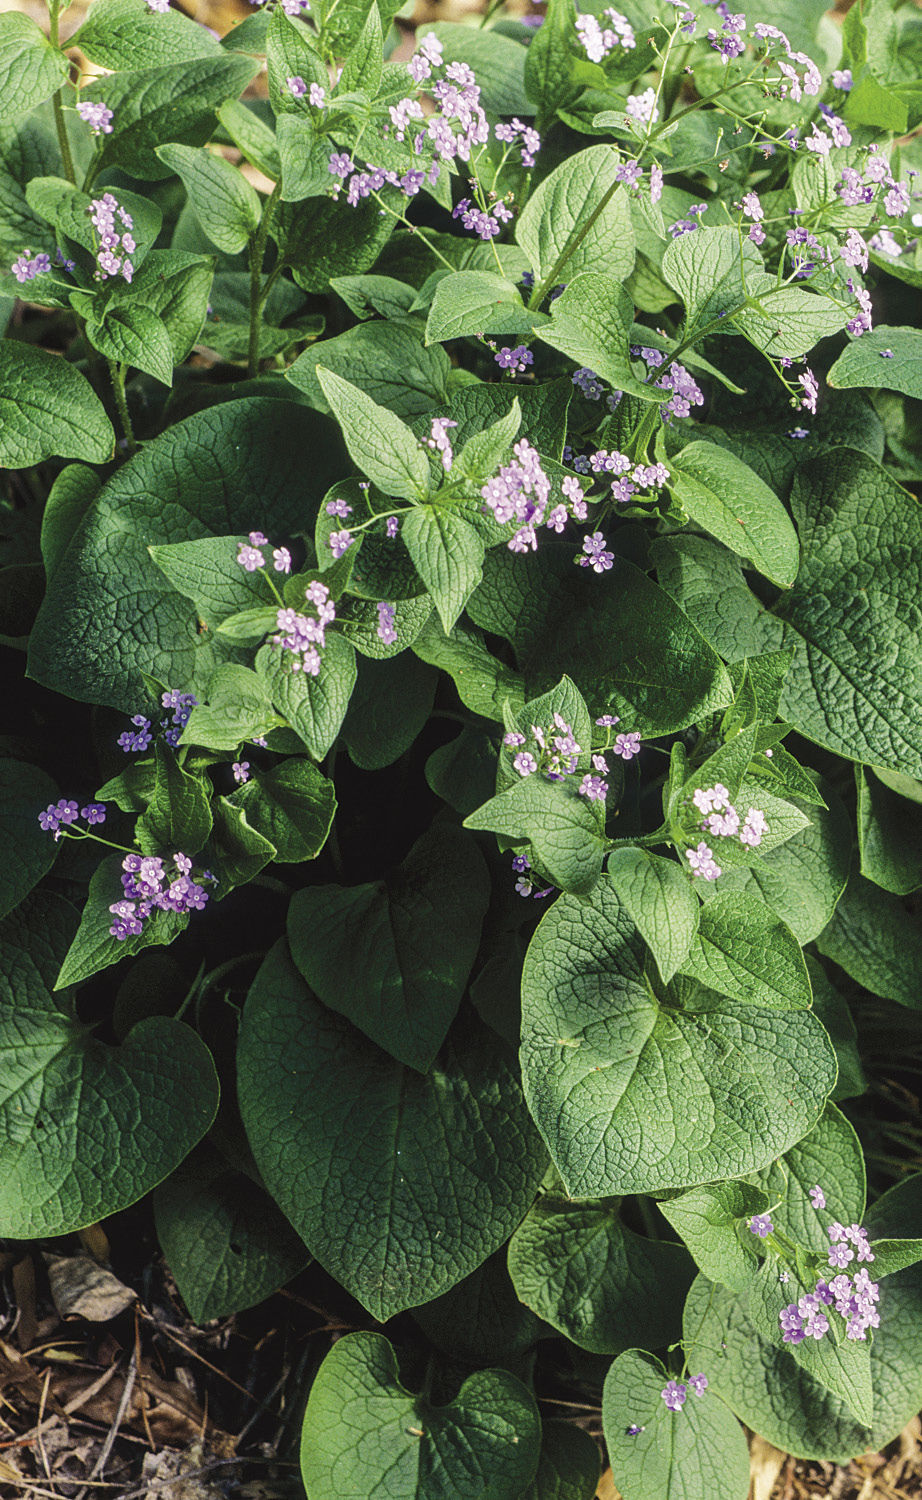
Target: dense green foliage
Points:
(446, 606)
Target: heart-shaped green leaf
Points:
(634, 1095)
(400, 1183)
(86, 1128)
(365, 1437)
(394, 956)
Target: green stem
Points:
(572, 245)
(59, 121)
(117, 372)
(257, 293)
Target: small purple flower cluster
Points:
(439, 441)
(728, 41)
(519, 494)
(148, 889)
(137, 741)
(524, 885)
(684, 389)
(485, 224)
(135, 744)
(689, 224)
(793, 85)
(316, 94)
(387, 630)
(25, 268)
(97, 116)
(530, 142)
(555, 754)
(515, 360)
(63, 813)
(102, 212)
(250, 557)
(452, 133)
(722, 821)
(598, 41)
(675, 1392)
(304, 635)
(641, 108)
(182, 705)
(557, 751)
(853, 1297)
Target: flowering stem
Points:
(59, 121)
(572, 245)
(117, 372)
(258, 293)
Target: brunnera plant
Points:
(512, 614)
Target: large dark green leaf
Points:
(400, 1183)
(636, 1096)
(628, 647)
(394, 956)
(109, 613)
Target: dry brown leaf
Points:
(80, 1288)
(183, 1468)
(765, 1464)
(606, 1489)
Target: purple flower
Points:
(754, 828)
(811, 390)
(593, 788)
(896, 201)
(25, 269)
(392, 527)
(595, 556)
(250, 558)
(138, 741)
(817, 1197)
(633, 1430)
(339, 542)
(517, 360)
(607, 721)
(626, 745)
(97, 116)
(281, 559)
(840, 1255)
(317, 96)
(642, 107)
(699, 1384)
(674, 1395)
(340, 508)
(525, 763)
(94, 812)
(760, 1225)
(588, 383)
(842, 79)
(340, 164)
(241, 770)
(440, 441)
(296, 86)
(386, 631)
(792, 1326)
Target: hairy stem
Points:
(117, 372)
(59, 121)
